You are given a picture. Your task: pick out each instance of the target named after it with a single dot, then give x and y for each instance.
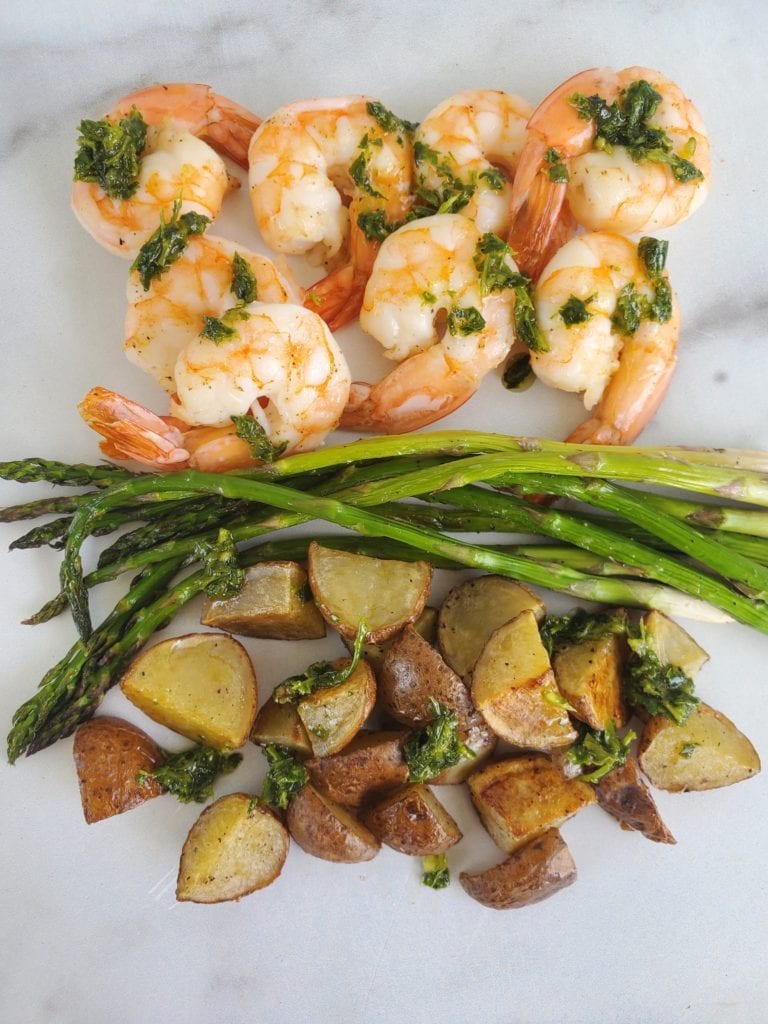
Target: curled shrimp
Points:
(426, 304)
(176, 163)
(277, 363)
(329, 178)
(608, 185)
(612, 328)
(205, 281)
(467, 150)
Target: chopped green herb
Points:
(660, 308)
(389, 122)
(255, 436)
(428, 298)
(574, 310)
(558, 631)
(358, 169)
(435, 747)
(687, 749)
(216, 330)
(167, 243)
(518, 375)
(602, 750)
(285, 778)
(556, 170)
(465, 321)
(109, 153)
(653, 253)
(491, 261)
(436, 874)
(494, 177)
(319, 675)
(225, 578)
(658, 689)
(375, 226)
(630, 307)
(243, 280)
(556, 699)
(527, 329)
(452, 195)
(189, 775)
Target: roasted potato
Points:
(370, 766)
(624, 795)
(413, 821)
(236, 846)
(672, 645)
(280, 723)
(521, 797)
(475, 609)
(705, 752)
(514, 688)
(532, 873)
(274, 603)
(327, 830)
(425, 625)
(350, 588)
(411, 672)
(332, 717)
(589, 676)
(201, 685)
(109, 754)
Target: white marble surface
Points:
(89, 928)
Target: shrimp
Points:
(466, 152)
(426, 304)
(612, 327)
(174, 163)
(619, 147)
(329, 179)
(279, 364)
(163, 319)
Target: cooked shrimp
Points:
(308, 162)
(466, 152)
(645, 167)
(426, 304)
(164, 319)
(174, 163)
(612, 328)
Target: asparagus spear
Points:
(36, 470)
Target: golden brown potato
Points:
(532, 873)
(425, 625)
(514, 688)
(327, 830)
(370, 766)
(475, 609)
(109, 754)
(521, 797)
(589, 677)
(384, 593)
(274, 603)
(332, 717)
(705, 752)
(201, 685)
(236, 846)
(412, 671)
(672, 645)
(623, 794)
(413, 821)
(280, 723)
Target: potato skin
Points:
(413, 821)
(532, 873)
(109, 753)
(624, 795)
(327, 830)
(370, 766)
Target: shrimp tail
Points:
(133, 432)
(533, 234)
(338, 297)
(230, 129)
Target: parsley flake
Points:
(109, 153)
(167, 243)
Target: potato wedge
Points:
(705, 752)
(624, 795)
(274, 603)
(589, 677)
(367, 768)
(109, 754)
(532, 873)
(474, 610)
(521, 797)
(413, 821)
(280, 723)
(514, 688)
(327, 830)
(333, 717)
(236, 846)
(384, 593)
(201, 685)
(411, 672)
(672, 645)
(425, 625)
